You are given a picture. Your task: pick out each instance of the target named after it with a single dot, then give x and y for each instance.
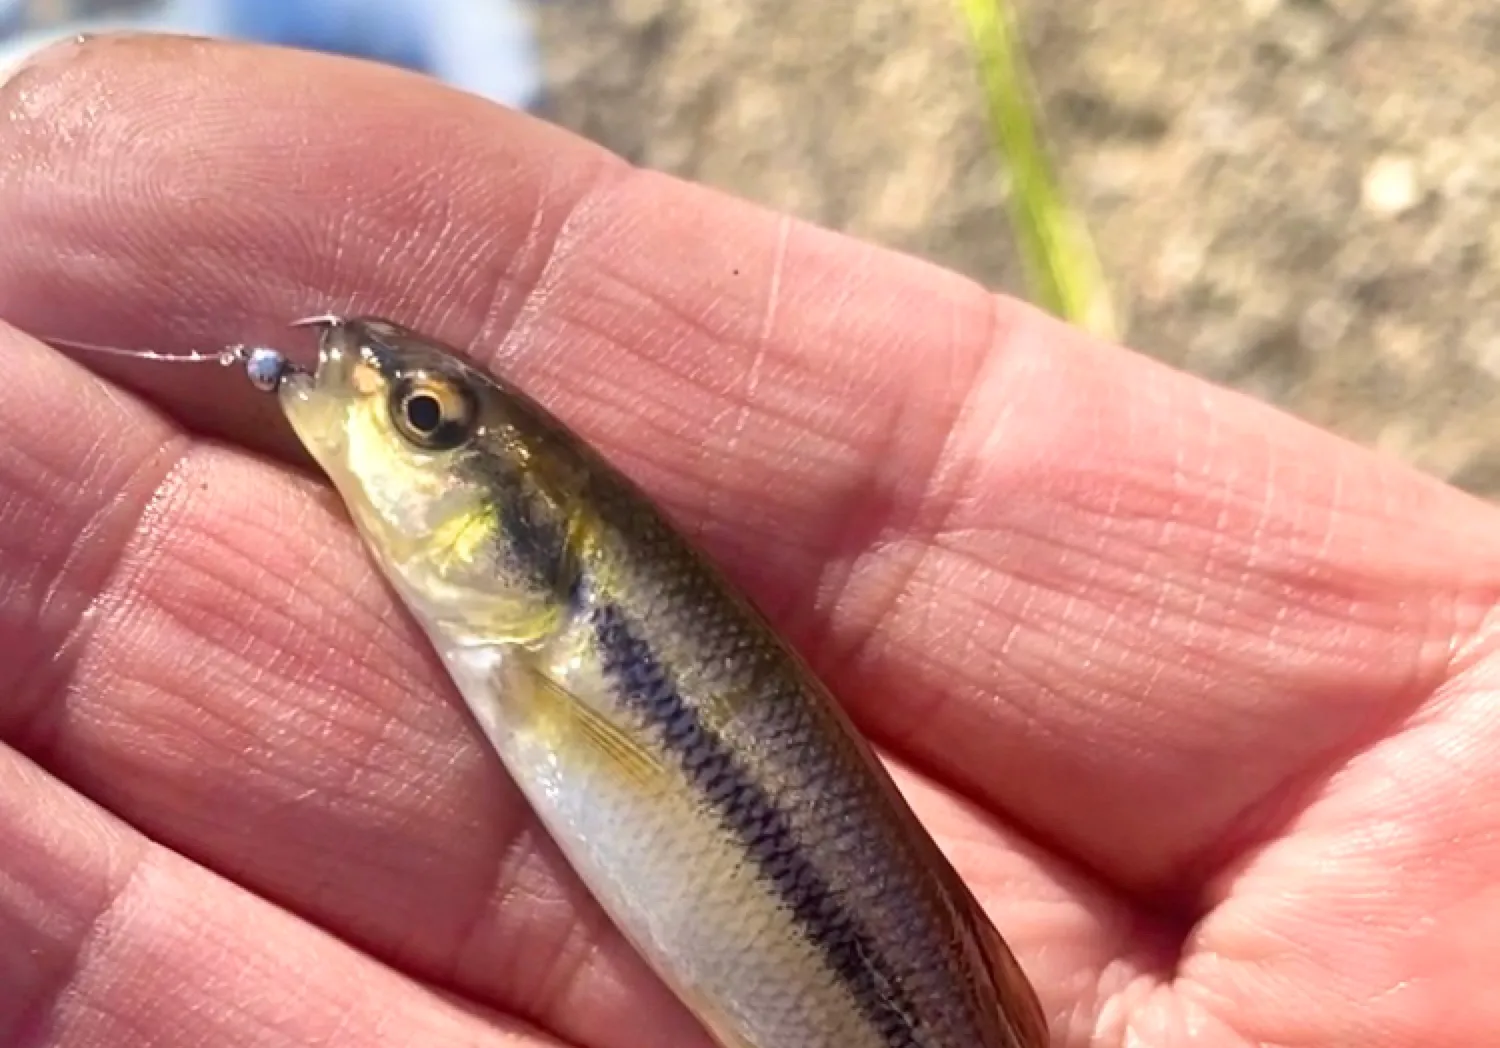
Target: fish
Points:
(704, 784)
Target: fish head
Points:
(448, 474)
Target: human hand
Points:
(1201, 701)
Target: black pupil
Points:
(424, 412)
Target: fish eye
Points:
(424, 412)
(433, 412)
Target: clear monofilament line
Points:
(264, 367)
(224, 357)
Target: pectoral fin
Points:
(571, 720)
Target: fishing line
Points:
(264, 366)
(225, 357)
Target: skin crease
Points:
(1202, 701)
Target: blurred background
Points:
(1297, 198)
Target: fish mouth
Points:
(317, 402)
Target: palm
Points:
(1198, 700)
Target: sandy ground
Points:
(1298, 198)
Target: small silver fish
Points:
(703, 783)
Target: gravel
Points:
(1297, 198)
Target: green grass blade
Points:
(1058, 254)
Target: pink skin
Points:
(1204, 702)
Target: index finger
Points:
(1047, 569)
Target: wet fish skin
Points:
(704, 784)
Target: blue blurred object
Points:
(485, 47)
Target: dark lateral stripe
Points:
(746, 811)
